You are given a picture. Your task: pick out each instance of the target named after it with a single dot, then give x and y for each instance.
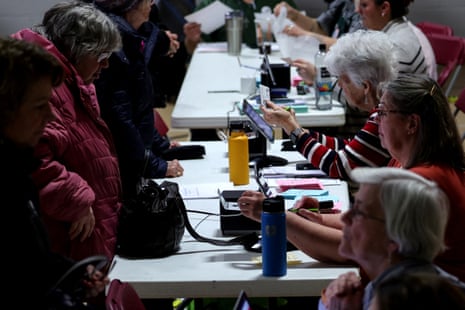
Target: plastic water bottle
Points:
(274, 242)
(238, 155)
(323, 81)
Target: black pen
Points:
(222, 91)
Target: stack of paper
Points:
(311, 183)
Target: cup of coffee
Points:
(234, 22)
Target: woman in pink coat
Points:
(79, 179)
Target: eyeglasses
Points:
(382, 113)
(103, 56)
(354, 212)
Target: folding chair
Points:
(122, 296)
(160, 124)
(435, 28)
(460, 107)
(450, 55)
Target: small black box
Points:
(234, 224)
(281, 74)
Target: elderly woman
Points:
(395, 226)
(416, 126)
(79, 179)
(362, 60)
(126, 95)
(27, 76)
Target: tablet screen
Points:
(259, 123)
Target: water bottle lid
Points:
(322, 47)
(274, 204)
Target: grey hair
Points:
(80, 29)
(416, 210)
(363, 55)
(438, 133)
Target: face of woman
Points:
(392, 126)
(28, 123)
(90, 66)
(364, 235)
(354, 94)
(372, 15)
(145, 7)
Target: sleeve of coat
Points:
(63, 194)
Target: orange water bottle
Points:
(238, 154)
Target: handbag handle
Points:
(248, 240)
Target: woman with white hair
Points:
(361, 60)
(395, 226)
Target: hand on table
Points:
(174, 169)
(251, 204)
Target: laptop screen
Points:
(242, 302)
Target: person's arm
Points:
(335, 156)
(193, 36)
(316, 240)
(305, 22)
(64, 195)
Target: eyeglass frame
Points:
(103, 56)
(383, 113)
(354, 212)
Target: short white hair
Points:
(363, 55)
(416, 209)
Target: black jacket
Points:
(126, 97)
(31, 267)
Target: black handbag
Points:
(152, 225)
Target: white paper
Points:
(203, 191)
(291, 171)
(210, 17)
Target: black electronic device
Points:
(266, 131)
(232, 222)
(275, 76)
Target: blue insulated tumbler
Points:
(274, 263)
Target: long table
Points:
(211, 88)
(201, 270)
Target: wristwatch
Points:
(294, 135)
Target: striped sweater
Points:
(337, 156)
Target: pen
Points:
(222, 91)
(297, 209)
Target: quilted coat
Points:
(79, 165)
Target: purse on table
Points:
(153, 224)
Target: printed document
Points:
(210, 17)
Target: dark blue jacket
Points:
(126, 96)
